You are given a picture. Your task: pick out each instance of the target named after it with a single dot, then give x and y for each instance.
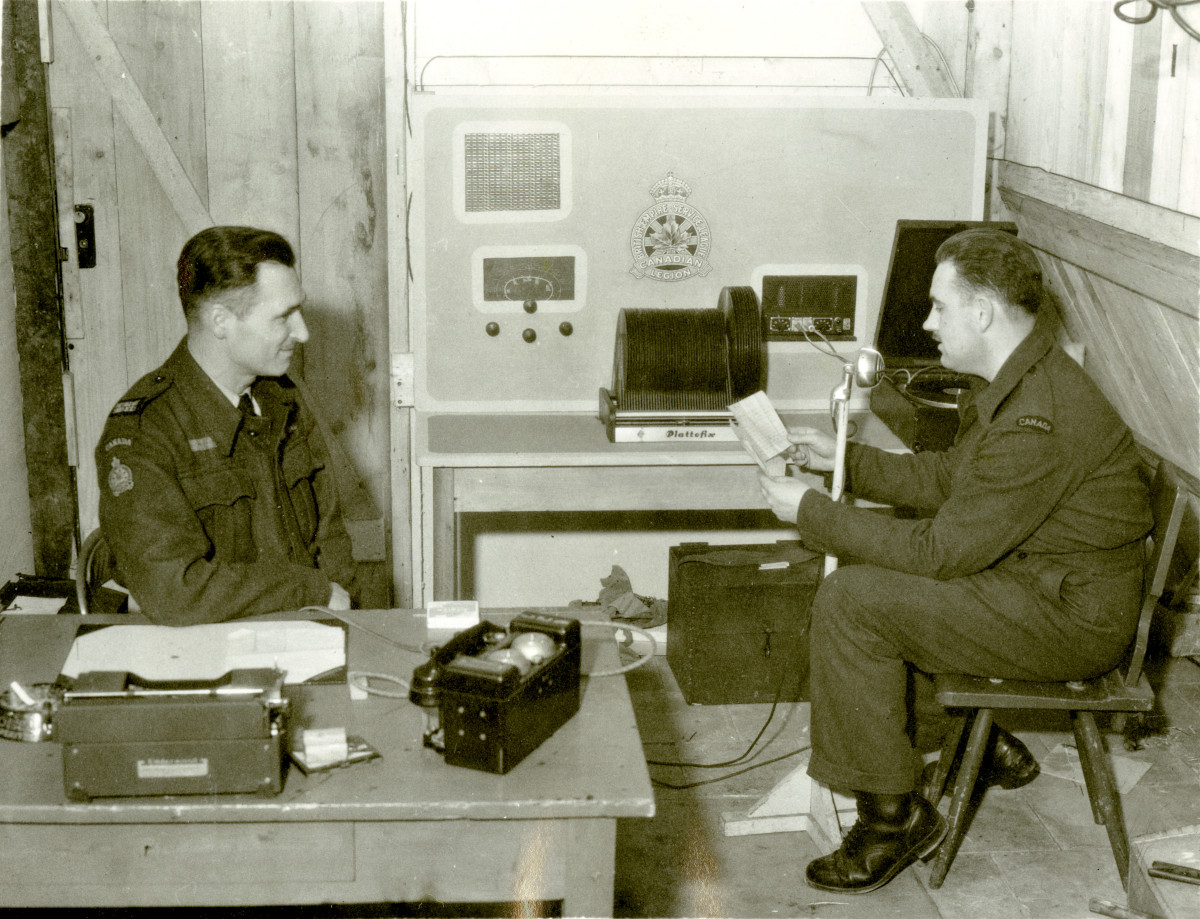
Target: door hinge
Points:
(403, 387)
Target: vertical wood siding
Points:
(274, 112)
(1094, 99)
(1107, 115)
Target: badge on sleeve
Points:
(1037, 422)
(120, 478)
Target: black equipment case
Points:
(737, 620)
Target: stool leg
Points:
(1085, 763)
(1102, 788)
(950, 743)
(968, 772)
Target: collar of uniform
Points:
(1037, 344)
(209, 404)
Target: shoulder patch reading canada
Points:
(1036, 422)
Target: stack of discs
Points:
(671, 360)
(689, 360)
(739, 306)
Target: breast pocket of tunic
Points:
(223, 500)
(299, 474)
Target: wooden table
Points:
(478, 464)
(402, 828)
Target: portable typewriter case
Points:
(123, 736)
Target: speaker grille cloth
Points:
(512, 172)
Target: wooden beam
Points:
(406, 489)
(29, 176)
(1133, 262)
(919, 70)
(1157, 224)
(10, 96)
(114, 73)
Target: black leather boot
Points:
(892, 832)
(1007, 763)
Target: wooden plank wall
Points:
(16, 549)
(1114, 109)
(1097, 164)
(272, 114)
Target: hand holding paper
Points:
(762, 432)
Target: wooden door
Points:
(170, 117)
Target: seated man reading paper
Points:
(217, 496)
(1024, 562)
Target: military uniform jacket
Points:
(1043, 481)
(212, 516)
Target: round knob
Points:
(529, 335)
(493, 329)
(566, 328)
(531, 306)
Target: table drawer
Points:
(175, 857)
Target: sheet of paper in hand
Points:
(761, 431)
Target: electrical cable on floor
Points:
(721, 778)
(732, 762)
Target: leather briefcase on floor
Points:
(737, 620)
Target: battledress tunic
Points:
(1024, 561)
(211, 515)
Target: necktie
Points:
(246, 406)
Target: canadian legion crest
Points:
(671, 239)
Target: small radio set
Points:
(492, 695)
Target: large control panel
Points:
(538, 217)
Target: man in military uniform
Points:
(1024, 560)
(216, 490)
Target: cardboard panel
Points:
(757, 179)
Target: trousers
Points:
(879, 635)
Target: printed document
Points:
(761, 431)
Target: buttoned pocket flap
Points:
(217, 486)
(298, 463)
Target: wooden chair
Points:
(95, 566)
(1123, 690)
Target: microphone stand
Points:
(840, 409)
(867, 369)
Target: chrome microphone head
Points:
(868, 368)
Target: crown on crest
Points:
(670, 189)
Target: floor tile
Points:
(1004, 822)
(976, 887)
(1059, 885)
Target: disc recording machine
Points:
(676, 371)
